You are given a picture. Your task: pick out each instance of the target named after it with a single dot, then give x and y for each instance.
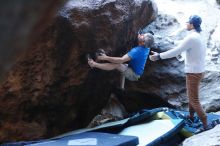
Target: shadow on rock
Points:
(135, 101)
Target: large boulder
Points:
(51, 89)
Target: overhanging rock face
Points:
(51, 89)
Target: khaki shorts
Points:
(128, 73)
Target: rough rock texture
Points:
(210, 94)
(166, 78)
(21, 22)
(51, 89)
(207, 138)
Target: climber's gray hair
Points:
(149, 40)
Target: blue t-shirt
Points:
(138, 57)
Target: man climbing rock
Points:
(136, 57)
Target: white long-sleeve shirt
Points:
(195, 48)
